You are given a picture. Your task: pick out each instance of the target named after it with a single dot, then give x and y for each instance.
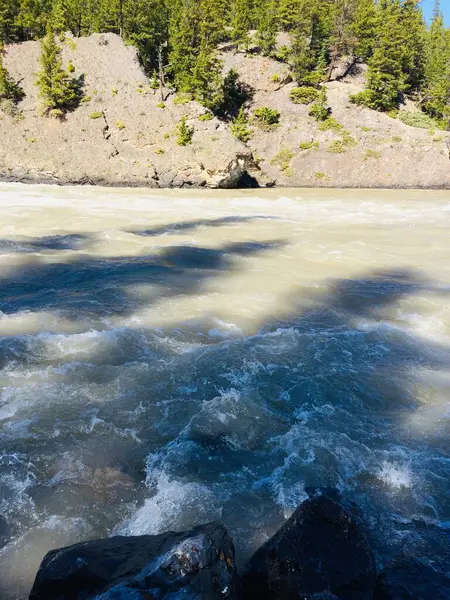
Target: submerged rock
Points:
(321, 552)
(410, 579)
(198, 564)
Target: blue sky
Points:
(428, 6)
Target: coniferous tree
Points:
(289, 13)
(436, 88)
(266, 33)
(9, 10)
(241, 22)
(9, 89)
(58, 91)
(33, 17)
(365, 27)
(396, 64)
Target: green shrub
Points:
(120, 125)
(96, 115)
(70, 67)
(372, 154)
(321, 175)
(160, 105)
(266, 117)
(282, 54)
(364, 128)
(32, 140)
(275, 78)
(182, 99)
(205, 117)
(309, 145)
(239, 127)
(417, 119)
(319, 110)
(396, 139)
(159, 151)
(185, 133)
(86, 99)
(283, 159)
(114, 91)
(330, 124)
(303, 95)
(166, 136)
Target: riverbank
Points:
(122, 135)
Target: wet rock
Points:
(410, 579)
(321, 552)
(198, 564)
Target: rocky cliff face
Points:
(132, 140)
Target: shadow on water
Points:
(233, 428)
(88, 286)
(189, 226)
(51, 242)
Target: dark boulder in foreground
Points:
(410, 579)
(196, 565)
(320, 553)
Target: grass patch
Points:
(96, 115)
(159, 151)
(160, 105)
(397, 139)
(114, 91)
(32, 140)
(283, 160)
(205, 117)
(309, 145)
(330, 124)
(376, 154)
(120, 125)
(321, 176)
(364, 128)
(182, 98)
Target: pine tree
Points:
(241, 23)
(58, 17)
(266, 34)
(365, 27)
(9, 89)
(289, 13)
(146, 26)
(436, 88)
(58, 91)
(9, 10)
(33, 17)
(396, 64)
(239, 127)
(342, 40)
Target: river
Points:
(171, 358)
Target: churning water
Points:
(172, 358)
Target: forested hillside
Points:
(177, 42)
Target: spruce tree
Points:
(58, 91)
(365, 28)
(396, 64)
(58, 17)
(266, 34)
(9, 89)
(241, 23)
(436, 89)
(9, 10)
(289, 13)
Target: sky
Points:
(428, 6)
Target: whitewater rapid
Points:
(172, 358)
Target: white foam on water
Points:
(175, 505)
(395, 476)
